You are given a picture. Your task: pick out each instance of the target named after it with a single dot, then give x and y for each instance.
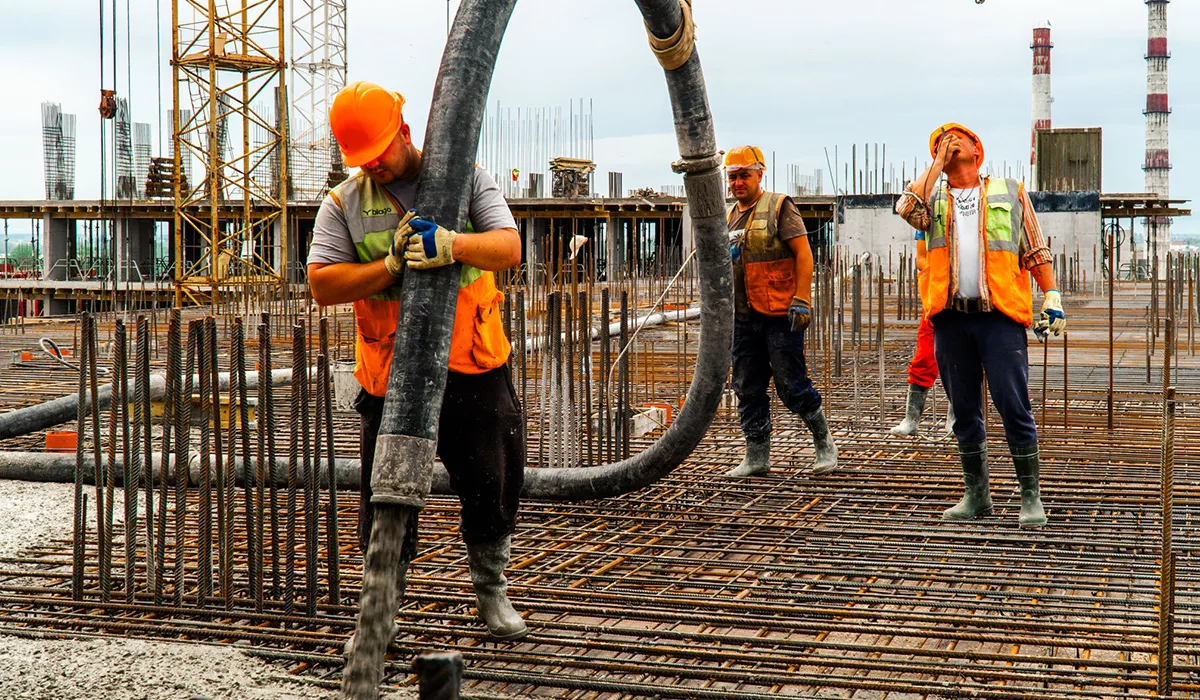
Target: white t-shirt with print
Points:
(966, 225)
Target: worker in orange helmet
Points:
(772, 282)
(982, 244)
(365, 239)
(922, 368)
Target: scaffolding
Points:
(318, 73)
(58, 151)
(230, 226)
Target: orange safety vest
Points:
(1001, 226)
(478, 343)
(770, 265)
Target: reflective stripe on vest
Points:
(1007, 282)
(478, 343)
(770, 266)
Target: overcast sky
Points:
(793, 76)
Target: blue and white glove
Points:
(799, 315)
(1053, 318)
(429, 245)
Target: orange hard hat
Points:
(745, 158)
(937, 134)
(364, 119)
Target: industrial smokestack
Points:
(1041, 93)
(1158, 110)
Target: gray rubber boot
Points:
(1026, 460)
(827, 454)
(912, 413)
(757, 460)
(978, 498)
(402, 581)
(488, 562)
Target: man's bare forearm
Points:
(1044, 274)
(491, 250)
(342, 283)
(804, 267)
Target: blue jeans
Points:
(967, 346)
(765, 347)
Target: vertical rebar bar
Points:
(312, 493)
(1166, 580)
(289, 588)
(129, 474)
(266, 414)
(183, 429)
(325, 410)
(79, 550)
(204, 579)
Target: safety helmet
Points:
(744, 158)
(936, 137)
(364, 119)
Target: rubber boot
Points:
(402, 583)
(488, 562)
(757, 460)
(978, 498)
(949, 418)
(912, 413)
(1025, 459)
(827, 455)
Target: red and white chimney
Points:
(1041, 93)
(1158, 110)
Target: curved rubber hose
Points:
(706, 203)
(422, 346)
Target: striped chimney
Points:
(1041, 92)
(1158, 155)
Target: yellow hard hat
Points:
(745, 158)
(937, 134)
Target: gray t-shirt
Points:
(331, 242)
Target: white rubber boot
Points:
(756, 462)
(915, 406)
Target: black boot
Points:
(914, 407)
(827, 454)
(978, 499)
(1025, 459)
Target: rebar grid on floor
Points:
(785, 585)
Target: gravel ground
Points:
(117, 668)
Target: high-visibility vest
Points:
(770, 265)
(478, 343)
(1008, 284)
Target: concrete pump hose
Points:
(699, 164)
(675, 50)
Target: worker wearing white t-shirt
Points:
(982, 245)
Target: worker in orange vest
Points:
(982, 244)
(772, 282)
(365, 238)
(922, 369)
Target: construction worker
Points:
(922, 369)
(365, 237)
(772, 279)
(982, 244)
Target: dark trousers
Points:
(481, 441)
(764, 347)
(969, 345)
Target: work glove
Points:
(394, 262)
(1053, 319)
(799, 314)
(429, 245)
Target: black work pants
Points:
(967, 345)
(765, 347)
(481, 441)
